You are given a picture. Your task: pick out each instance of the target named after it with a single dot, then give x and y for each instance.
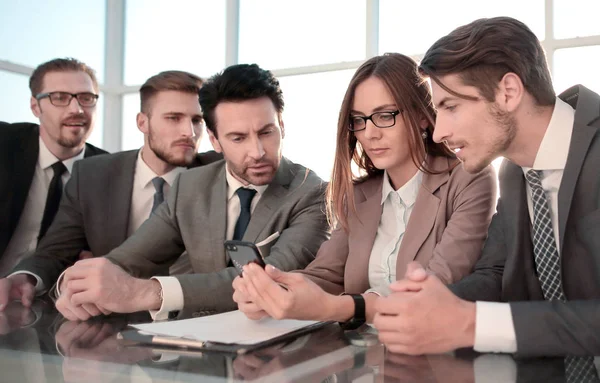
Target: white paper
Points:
(231, 327)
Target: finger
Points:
(66, 312)
(78, 285)
(265, 292)
(80, 298)
(77, 272)
(91, 309)
(415, 272)
(406, 285)
(27, 293)
(240, 285)
(5, 287)
(385, 322)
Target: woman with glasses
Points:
(411, 201)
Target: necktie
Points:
(245, 196)
(159, 196)
(547, 264)
(53, 199)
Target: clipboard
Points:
(159, 341)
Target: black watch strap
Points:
(360, 316)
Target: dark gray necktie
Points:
(159, 196)
(53, 198)
(547, 264)
(245, 196)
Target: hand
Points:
(245, 304)
(17, 287)
(292, 295)
(98, 281)
(75, 312)
(424, 317)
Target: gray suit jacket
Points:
(194, 219)
(93, 215)
(506, 270)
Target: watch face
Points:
(363, 339)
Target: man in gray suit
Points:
(254, 195)
(110, 196)
(494, 95)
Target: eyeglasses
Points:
(379, 119)
(64, 98)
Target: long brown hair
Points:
(412, 96)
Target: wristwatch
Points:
(359, 317)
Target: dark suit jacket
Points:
(93, 215)
(194, 219)
(19, 149)
(506, 270)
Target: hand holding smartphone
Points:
(242, 253)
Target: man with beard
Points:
(37, 160)
(254, 195)
(109, 197)
(494, 95)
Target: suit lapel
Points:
(363, 231)
(119, 201)
(24, 168)
(273, 195)
(523, 283)
(424, 213)
(587, 109)
(217, 216)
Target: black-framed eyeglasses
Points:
(379, 119)
(64, 98)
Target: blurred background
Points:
(313, 46)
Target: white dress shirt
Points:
(142, 198)
(397, 208)
(171, 288)
(24, 239)
(494, 328)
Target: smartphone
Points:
(242, 253)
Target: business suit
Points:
(93, 215)
(506, 270)
(194, 219)
(445, 232)
(19, 150)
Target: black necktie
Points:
(53, 198)
(547, 262)
(245, 196)
(159, 196)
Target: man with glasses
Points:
(36, 160)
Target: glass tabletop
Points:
(38, 345)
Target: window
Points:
(184, 35)
(279, 34)
(576, 66)
(15, 98)
(312, 105)
(411, 27)
(37, 31)
(576, 18)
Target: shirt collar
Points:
(47, 159)
(144, 175)
(554, 148)
(407, 193)
(234, 184)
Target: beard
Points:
(263, 177)
(161, 150)
(500, 141)
(67, 138)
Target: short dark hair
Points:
(175, 80)
(238, 83)
(68, 64)
(483, 51)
